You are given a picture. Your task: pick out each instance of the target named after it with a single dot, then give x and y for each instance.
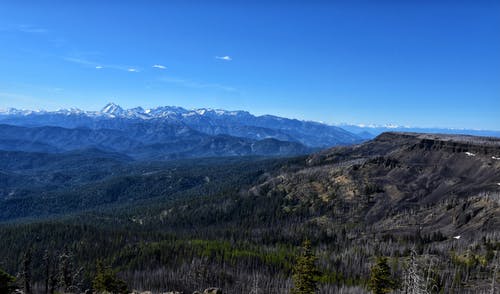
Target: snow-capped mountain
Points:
(205, 120)
(164, 132)
(113, 110)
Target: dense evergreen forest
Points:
(246, 225)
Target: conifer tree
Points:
(47, 260)
(305, 273)
(27, 259)
(7, 283)
(106, 281)
(381, 281)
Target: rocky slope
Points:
(399, 183)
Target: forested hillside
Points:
(415, 210)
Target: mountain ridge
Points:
(384, 178)
(205, 120)
(142, 142)
(176, 113)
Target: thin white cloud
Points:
(29, 29)
(97, 65)
(159, 66)
(225, 58)
(32, 29)
(81, 61)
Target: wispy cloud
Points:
(23, 28)
(97, 65)
(81, 61)
(159, 66)
(32, 29)
(197, 85)
(225, 58)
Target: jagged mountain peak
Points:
(219, 112)
(209, 121)
(112, 109)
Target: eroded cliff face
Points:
(398, 183)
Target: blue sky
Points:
(418, 63)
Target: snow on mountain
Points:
(113, 109)
(14, 111)
(70, 111)
(209, 121)
(219, 121)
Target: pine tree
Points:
(106, 281)
(7, 283)
(494, 275)
(381, 281)
(46, 259)
(27, 271)
(305, 273)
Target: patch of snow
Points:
(457, 237)
(138, 221)
(112, 109)
(201, 111)
(495, 158)
(392, 126)
(470, 154)
(69, 111)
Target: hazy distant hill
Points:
(371, 131)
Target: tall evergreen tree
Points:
(381, 281)
(7, 283)
(46, 260)
(106, 281)
(305, 273)
(27, 259)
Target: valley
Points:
(227, 222)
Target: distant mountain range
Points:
(371, 131)
(165, 132)
(170, 132)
